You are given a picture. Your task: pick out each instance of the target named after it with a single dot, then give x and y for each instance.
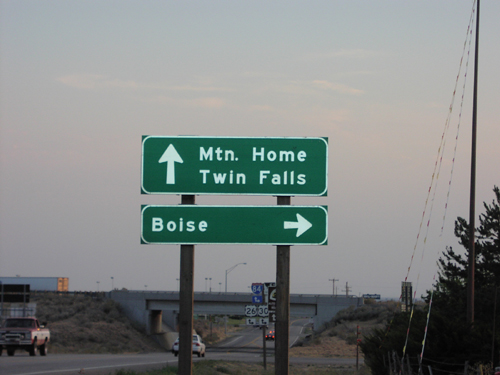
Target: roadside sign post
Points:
(282, 303)
(186, 302)
(189, 166)
(264, 348)
(262, 312)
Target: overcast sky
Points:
(82, 81)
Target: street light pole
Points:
(333, 284)
(230, 269)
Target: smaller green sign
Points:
(260, 225)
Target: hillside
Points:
(338, 338)
(86, 324)
(83, 324)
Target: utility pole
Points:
(347, 289)
(333, 280)
(472, 202)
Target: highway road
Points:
(245, 345)
(105, 364)
(251, 339)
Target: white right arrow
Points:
(170, 156)
(301, 225)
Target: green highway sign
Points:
(234, 165)
(260, 225)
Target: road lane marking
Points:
(230, 342)
(298, 336)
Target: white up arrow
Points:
(301, 225)
(170, 156)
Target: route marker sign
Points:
(251, 310)
(235, 166)
(260, 225)
(256, 310)
(257, 321)
(271, 305)
(266, 290)
(257, 299)
(257, 288)
(263, 311)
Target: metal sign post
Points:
(186, 303)
(282, 303)
(264, 330)
(282, 167)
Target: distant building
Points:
(51, 284)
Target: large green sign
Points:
(262, 225)
(233, 165)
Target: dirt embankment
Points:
(92, 324)
(338, 338)
(88, 324)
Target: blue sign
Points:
(256, 299)
(257, 288)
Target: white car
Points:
(198, 346)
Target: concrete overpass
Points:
(151, 308)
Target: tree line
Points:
(451, 344)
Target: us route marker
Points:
(260, 225)
(235, 165)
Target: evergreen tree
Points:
(451, 289)
(450, 340)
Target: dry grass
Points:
(240, 368)
(339, 337)
(215, 332)
(82, 324)
(325, 347)
(209, 367)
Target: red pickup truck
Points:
(24, 333)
